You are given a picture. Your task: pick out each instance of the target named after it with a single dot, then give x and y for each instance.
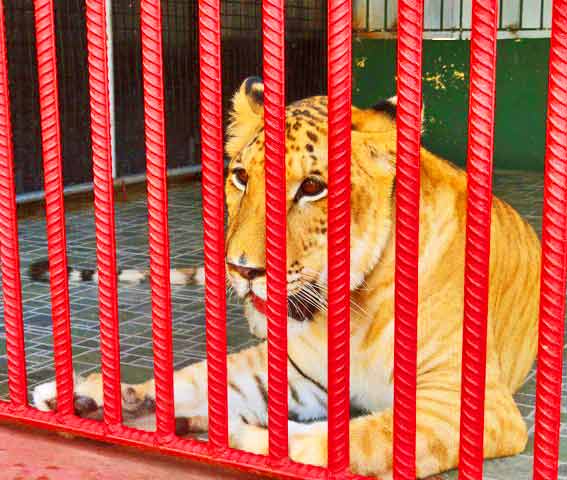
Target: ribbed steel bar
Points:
(54, 205)
(477, 250)
(339, 82)
(9, 250)
(213, 217)
(104, 208)
(273, 30)
(158, 232)
(554, 257)
(408, 119)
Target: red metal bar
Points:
(408, 120)
(9, 251)
(156, 168)
(213, 217)
(54, 205)
(273, 30)
(339, 82)
(477, 251)
(186, 448)
(554, 260)
(104, 209)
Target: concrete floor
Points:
(26, 454)
(523, 191)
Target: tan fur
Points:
(513, 298)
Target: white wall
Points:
(534, 20)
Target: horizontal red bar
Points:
(187, 448)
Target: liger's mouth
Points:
(300, 305)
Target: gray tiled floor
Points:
(523, 191)
(134, 301)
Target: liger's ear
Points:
(379, 118)
(247, 114)
(249, 99)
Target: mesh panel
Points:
(241, 54)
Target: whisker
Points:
(306, 300)
(309, 293)
(313, 276)
(323, 292)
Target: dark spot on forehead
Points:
(315, 172)
(320, 110)
(309, 147)
(312, 136)
(303, 113)
(296, 126)
(313, 157)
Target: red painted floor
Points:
(27, 454)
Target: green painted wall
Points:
(521, 90)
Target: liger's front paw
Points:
(89, 400)
(87, 396)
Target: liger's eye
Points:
(311, 189)
(240, 178)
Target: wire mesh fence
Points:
(241, 57)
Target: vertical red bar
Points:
(554, 261)
(477, 250)
(213, 217)
(273, 29)
(9, 251)
(104, 208)
(339, 84)
(54, 205)
(408, 120)
(158, 233)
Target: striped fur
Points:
(512, 313)
(39, 272)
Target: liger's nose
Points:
(249, 273)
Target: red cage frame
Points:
(216, 450)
